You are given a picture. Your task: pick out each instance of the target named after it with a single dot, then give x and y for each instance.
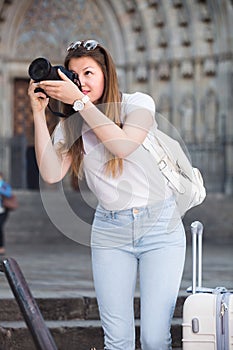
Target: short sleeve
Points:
(139, 100)
(58, 134)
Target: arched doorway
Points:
(23, 161)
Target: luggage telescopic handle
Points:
(197, 233)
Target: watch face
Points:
(85, 99)
(78, 105)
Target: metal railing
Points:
(41, 335)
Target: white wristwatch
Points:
(79, 104)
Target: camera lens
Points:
(39, 69)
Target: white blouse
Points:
(141, 182)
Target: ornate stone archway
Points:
(178, 51)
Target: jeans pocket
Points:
(111, 229)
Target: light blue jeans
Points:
(150, 240)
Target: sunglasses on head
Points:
(87, 44)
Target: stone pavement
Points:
(60, 278)
(58, 270)
(64, 270)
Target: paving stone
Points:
(58, 272)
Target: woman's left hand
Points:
(63, 90)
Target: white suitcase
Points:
(207, 313)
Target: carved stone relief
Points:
(140, 42)
(4, 7)
(208, 33)
(159, 19)
(141, 72)
(162, 38)
(186, 69)
(186, 110)
(136, 22)
(182, 17)
(49, 26)
(164, 71)
(130, 5)
(163, 115)
(204, 13)
(177, 3)
(164, 106)
(153, 2)
(210, 114)
(209, 67)
(185, 39)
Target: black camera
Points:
(41, 69)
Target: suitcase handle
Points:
(197, 234)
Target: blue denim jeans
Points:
(148, 240)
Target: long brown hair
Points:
(109, 104)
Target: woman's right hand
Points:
(39, 100)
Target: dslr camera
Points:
(41, 69)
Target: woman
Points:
(5, 190)
(135, 226)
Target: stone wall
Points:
(216, 214)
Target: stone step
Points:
(72, 321)
(53, 309)
(68, 334)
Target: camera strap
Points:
(57, 114)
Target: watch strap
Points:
(85, 99)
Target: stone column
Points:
(5, 128)
(225, 87)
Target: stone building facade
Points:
(178, 51)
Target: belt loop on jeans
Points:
(113, 215)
